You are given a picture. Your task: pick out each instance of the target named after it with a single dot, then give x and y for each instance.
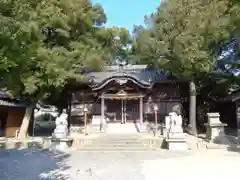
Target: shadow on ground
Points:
(231, 140)
(234, 144)
(231, 143)
(33, 164)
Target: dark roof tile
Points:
(12, 104)
(142, 73)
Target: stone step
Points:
(128, 128)
(114, 142)
(115, 149)
(121, 142)
(216, 146)
(115, 146)
(119, 146)
(116, 139)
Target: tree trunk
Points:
(192, 108)
(237, 36)
(25, 123)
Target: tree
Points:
(120, 45)
(44, 43)
(183, 37)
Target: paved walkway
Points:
(163, 165)
(214, 165)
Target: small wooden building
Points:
(11, 114)
(128, 94)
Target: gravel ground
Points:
(35, 165)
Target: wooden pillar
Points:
(69, 100)
(32, 124)
(125, 110)
(102, 112)
(122, 112)
(85, 122)
(141, 110)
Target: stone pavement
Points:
(214, 165)
(33, 164)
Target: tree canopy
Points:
(119, 47)
(44, 43)
(184, 36)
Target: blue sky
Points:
(126, 13)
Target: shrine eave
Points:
(143, 76)
(122, 80)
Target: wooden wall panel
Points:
(165, 92)
(14, 120)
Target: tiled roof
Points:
(142, 73)
(3, 94)
(12, 104)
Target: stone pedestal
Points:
(96, 120)
(60, 140)
(103, 125)
(215, 129)
(176, 144)
(60, 144)
(142, 127)
(167, 125)
(175, 139)
(78, 142)
(46, 143)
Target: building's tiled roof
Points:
(6, 100)
(141, 73)
(3, 94)
(12, 103)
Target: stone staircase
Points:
(120, 143)
(128, 128)
(120, 137)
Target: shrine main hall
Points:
(127, 94)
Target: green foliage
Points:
(183, 35)
(43, 43)
(121, 39)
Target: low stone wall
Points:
(12, 143)
(201, 144)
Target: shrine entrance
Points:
(122, 110)
(122, 107)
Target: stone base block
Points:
(60, 144)
(46, 143)
(142, 127)
(176, 136)
(177, 144)
(215, 132)
(220, 140)
(77, 143)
